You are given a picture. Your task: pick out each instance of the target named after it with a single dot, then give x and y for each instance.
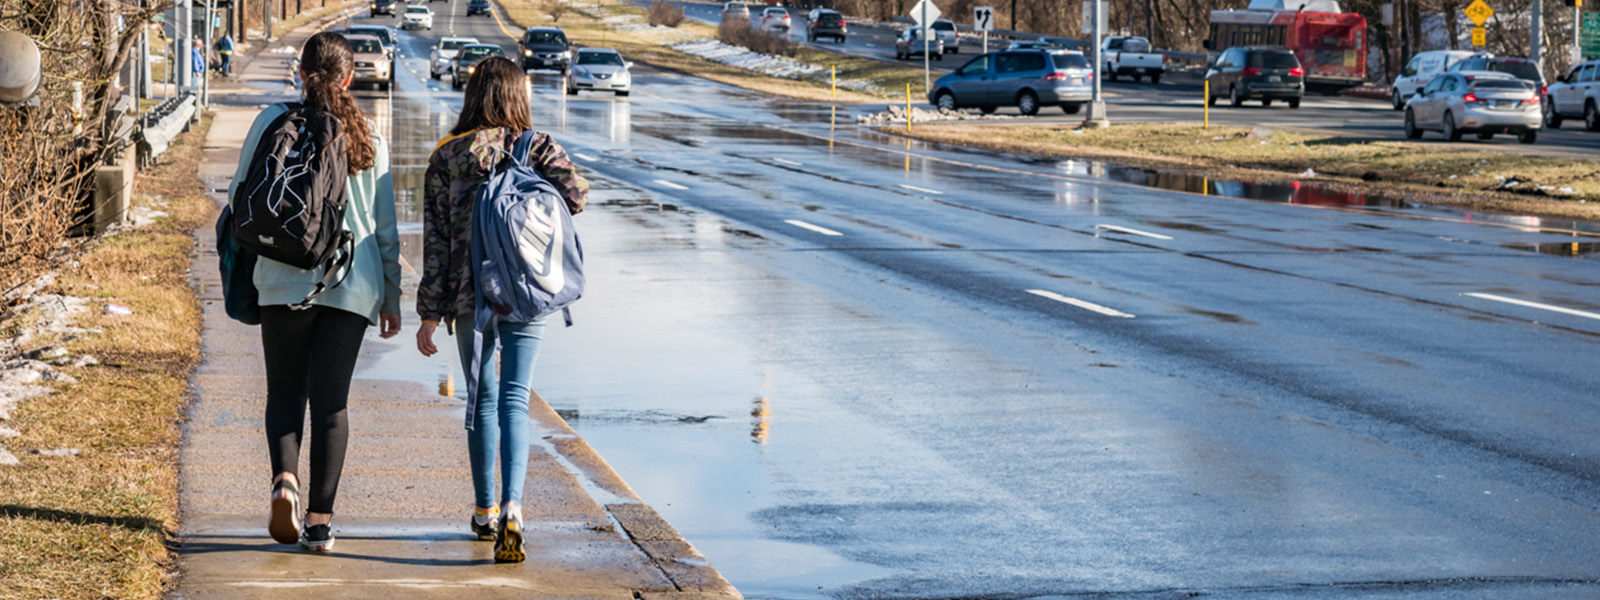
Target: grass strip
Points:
(100, 524)
(586, 25)
(1465, 177)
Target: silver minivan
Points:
(1026, 79)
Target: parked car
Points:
(910, 44)
(372, 64)
(1481, 102)
(462, 66)
(1575, 95)
(735, 11)
(946, 30)
(1264, 73)
(382, 7)
(1521, 68)
(600, 70)
(1422, 69)
(825, 23)
(1131, 56)
(477, 7)
(446, 49)
(774, 19)
(1026, 79)
(417, 16)
(545, 48)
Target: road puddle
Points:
(1567, 249)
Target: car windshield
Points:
(381, 34)
(1519, 69)
(1500, 84)
(944, 26)
(471, 52)
(453, 44)
(828, 15)
(552, 38)
(416, 10)
(1272, 60)
(599, 58)
(777, 12)
(366, 47)
(1067, 60)
(735, 6)
(1136, 46)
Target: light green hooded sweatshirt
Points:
(373, 283)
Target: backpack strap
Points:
(339, 268)
(524, 145)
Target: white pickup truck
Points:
(1132, 56)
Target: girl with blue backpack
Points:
(495, 124)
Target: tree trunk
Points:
(1452, 23)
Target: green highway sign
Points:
(1589, 35)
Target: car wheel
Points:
(1234, 98)
(1552, 119)
(1395, 99)
(988, 110)
(945, 100)
(1072, 108)
(1028, 103)
(1155, 80)
(572, 91)
(1486, 136)
(1591, 118)
(1294, 103)
(1211, 100)
(623, 92)
(1136, 78)
(1266, 103)
(1412, 131)
(940, 57)
(1449, 127)
(1111, 74)
(434, 75)
(1528, 137)
(841, 39)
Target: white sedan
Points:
(600, 70)
(446, 49)
(417, 17)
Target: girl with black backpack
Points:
(311, 340)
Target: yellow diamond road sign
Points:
(1479, 12)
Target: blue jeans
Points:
(501, 421)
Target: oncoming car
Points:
(417, 16)
(446, 49)
(1480, 102)
(372, 65)
(599, 70)
(466, 61)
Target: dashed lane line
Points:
(816, 228)
(1538, 305)
(585, 157)
(923, 190)
(788, 162)
(1134, 231)
(670, 184)
(1083, 304)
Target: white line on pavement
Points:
(787, 162)
(805, 225)
(671, 184)
(1134, 231)
(1559, 309)
(923, 190)
(585, 156)
(1086, 305)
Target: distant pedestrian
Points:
(494, 115)
(224, 48)
(197, 59)
(310, 351)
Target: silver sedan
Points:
(600, 70)
(1480, 102)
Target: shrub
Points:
(554, 8)
(662, 12)
(737, 32)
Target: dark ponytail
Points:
(325, 62)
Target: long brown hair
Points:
(497, 96)
(325, 62)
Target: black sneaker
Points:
(508, 545)
(485, 531)
(284, 525)
(317, 538)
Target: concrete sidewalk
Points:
(405, 496)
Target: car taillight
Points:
(1542, 89)
(1250, 71)
(1297, 72)
(1055, 76)
(1470, 99)
(1531, 101)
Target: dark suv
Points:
(545, 48)
(382, 7)
(824, 23)
(477, 7)
(1264, 73)
(1520, 68)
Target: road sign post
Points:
(925, 13)
(983, 20)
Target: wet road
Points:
(848, 366)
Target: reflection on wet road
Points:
(848, 365)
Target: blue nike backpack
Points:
(526, 259)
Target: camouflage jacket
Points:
(457, 166)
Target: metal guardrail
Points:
(162, 124)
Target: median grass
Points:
(1466, 177)
(587, 25)
(100, 524)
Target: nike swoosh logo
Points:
(542, 248)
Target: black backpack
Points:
(290, 207)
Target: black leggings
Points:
(311, 354)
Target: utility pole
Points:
(1096, 118)
(266, 18)
(1577, 20)
(181, 40)
(1013, 15)
(205, 90)
(1536, 34)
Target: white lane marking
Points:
(1134, 232)
(805, 225)
(869, 44)
(787, 162)
(923, 190)
(1083, 304)
(671, 184)
(1559, 309)
(585, 156)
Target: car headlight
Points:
(566, 54)
(471, 69)
(527, 52)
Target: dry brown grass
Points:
(99, 525)
(1445, 175)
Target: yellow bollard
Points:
(908, 108)
(1206, 102)
(833, 75)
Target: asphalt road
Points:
(849, 366)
